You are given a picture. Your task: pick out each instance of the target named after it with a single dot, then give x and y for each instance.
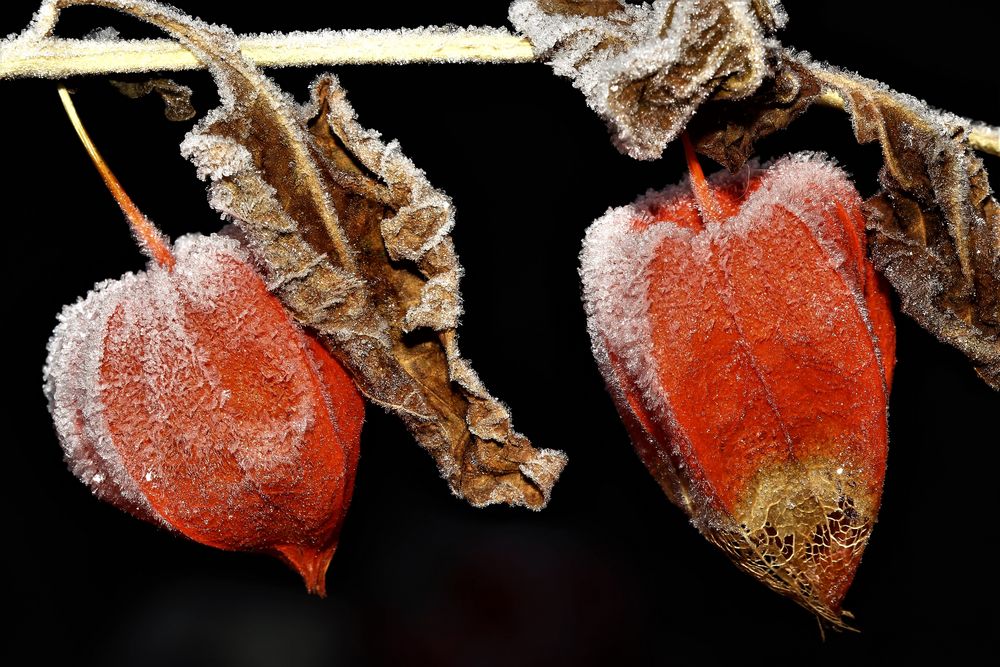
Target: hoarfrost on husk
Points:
(750, 359)
(179, 396)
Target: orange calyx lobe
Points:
(187, 396)
(239, 430)
(755, 381)
(707, 205)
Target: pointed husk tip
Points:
(311, 563)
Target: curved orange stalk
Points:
(151, 240)
(709, 207)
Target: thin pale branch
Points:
(57, 58)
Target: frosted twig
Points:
(57, 58)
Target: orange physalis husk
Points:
(749, 347)
(187, 396)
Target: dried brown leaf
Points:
(645, 69)
(176, 97)
(935, 227)
(581, 7)
(415, 284)
(355, 241)
(726, 131)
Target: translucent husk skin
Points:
(749, 345)
(186, 396)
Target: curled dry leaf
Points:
(934, 229)
(645, 69)
(726, 131)
(935, 226)
(355, 242)
(176, 97)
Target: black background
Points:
(610, 571)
